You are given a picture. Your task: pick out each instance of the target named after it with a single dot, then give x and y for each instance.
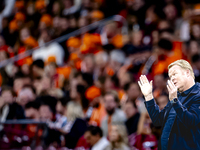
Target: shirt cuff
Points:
(150, 103)
(177, 104)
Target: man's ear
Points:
(188, 72)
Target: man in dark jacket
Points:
(180, 119)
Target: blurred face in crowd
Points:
(86, 4)
(25, 95)
(72, 23)
(60, 109)
(18, 84)
(56, 8)
(64, 24)
(2, 41)
(130, 110)
(56, 22)
(137, 38)
(170, 11)
(7, 97)
(146, 123)
(196, 31)
(111, 29)
(101, 59)
(159, 82)
(91, 139)
(82, 22)
(25, 68)
(108, 85)
(45, 113)
(115, 65)
(110, 104)
(46, 83)
(50, 70)
(3, 56)
(45, 36)
(150, 15)
(24, 33)
(193, 48)
(162, 101)
(32, 113)
(114, 134)
(37, 71)
(67, 3)
(88, 64)
(163, 24)
(124, 79)
(133, 92)
(73, 90)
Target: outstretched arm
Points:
(155, 114)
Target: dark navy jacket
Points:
(181, 128)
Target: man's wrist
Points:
(149, 97)
(174, 100)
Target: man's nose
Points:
(172, 79)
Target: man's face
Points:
(91, 139)
(178, 76)
(110, 103)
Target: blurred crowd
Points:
(85, 88)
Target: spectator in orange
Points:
(19, 4)
(40, 4)
(20, 18)
(167, 53)
(114, 115)
(93, 94)
(31, 42)
(51, 71)
(13, 26)
(96, 15)
(45, 22)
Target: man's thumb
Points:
(151, 83)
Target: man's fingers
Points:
(170, 86)
(141, 80)
(145, 79)
(168, 89)
(151, 83)
(139, 84)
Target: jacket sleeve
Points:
(190, 118)
(155, 113)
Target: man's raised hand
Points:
(146, 87)
(172, 89)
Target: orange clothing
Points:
(92, 92)
(91, 43)
(65, 71)
(162, 65)
(110, 71)
(97, 115)
(117, 41)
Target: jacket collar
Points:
(194, 91)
